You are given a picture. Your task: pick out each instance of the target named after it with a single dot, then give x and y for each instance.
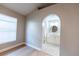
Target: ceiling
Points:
(24, 8)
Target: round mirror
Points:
(54, 28)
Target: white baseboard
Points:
(8, 48)
(33, 47)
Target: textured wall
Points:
(69, 16)
(20, 26)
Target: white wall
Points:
(20, 26)
(33, 31)
(69, 15)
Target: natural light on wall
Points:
(8, 28)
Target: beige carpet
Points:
(26, 51)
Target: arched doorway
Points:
(51, 34)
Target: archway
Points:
(51, 26)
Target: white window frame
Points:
(13, 32)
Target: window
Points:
(8, 28)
